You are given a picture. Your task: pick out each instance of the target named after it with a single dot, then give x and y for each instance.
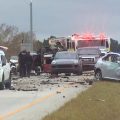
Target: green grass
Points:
(100, 102)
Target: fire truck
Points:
(72, 43)
(90, 40)
(75, 41)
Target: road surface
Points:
(22, 104)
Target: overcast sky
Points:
(63, 17)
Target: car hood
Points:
(13, 61)
(64, 61)
(89, 56)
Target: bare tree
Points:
(7, 32)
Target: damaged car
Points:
(108, 67)
(66, 62)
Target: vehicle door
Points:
(110, 66)
(47, 64)
(6, 67)
(117, 70)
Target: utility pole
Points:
(29, 44)
(31, 27)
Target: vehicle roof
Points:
(33, 53)
(13, 56)
(48, 55)
(66, 52)
(3, 48)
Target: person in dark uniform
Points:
(22, 63)
(29, 61)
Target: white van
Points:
(5, 75)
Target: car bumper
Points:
(73, 69)
(88, 66)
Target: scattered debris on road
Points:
(38, 83)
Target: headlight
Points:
(53, 62)
(75, 62)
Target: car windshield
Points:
(87, 51)
(65, 55)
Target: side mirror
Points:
(102, 54)
(80, 57)
(118, 60)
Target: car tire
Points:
(54, 74)
(67, 74)
(38, 73)
(80, 72)
(38, 70)
(98, 75)
(8, 83)
(2, 85)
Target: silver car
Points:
(67, 62)
(108, 67)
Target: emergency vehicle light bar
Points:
(88, 36)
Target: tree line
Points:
(12, 38)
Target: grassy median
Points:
(100, 102)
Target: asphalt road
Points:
(34, 105)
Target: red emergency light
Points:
(88, 36)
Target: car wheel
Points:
(38, 70)
(38, 73)
(80, 72)
(67, 74)
(98, 75)
(54, 73)
(2, 85)
(8, 83)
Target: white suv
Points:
(5, 75)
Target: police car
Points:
(5, 75)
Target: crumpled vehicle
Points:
(108, 67)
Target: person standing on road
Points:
(29, 61)
(22, 63)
